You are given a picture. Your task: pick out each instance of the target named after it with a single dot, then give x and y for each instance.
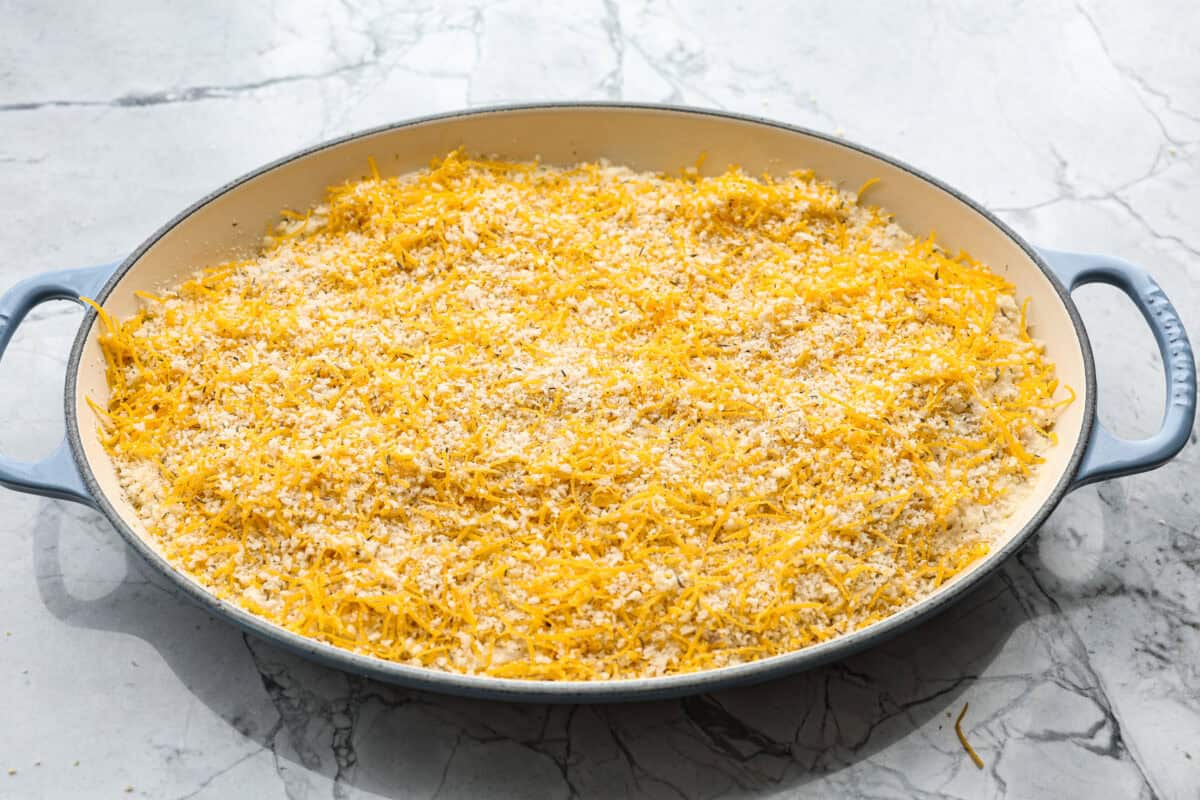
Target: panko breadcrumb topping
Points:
(554, 423)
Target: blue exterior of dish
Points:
(57, 475)
(1108, 456)
(1098, 456)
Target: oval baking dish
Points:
(230, 222)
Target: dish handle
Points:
(56, 475)
(1108, 456)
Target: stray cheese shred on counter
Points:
(580, 423)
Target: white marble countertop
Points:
(1079, 123)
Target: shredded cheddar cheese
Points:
(578, 423)
(962, 738)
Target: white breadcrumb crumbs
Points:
(524, 421)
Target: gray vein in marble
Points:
(1139, 83)
(187, 94)
(1062, 635)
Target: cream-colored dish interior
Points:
(644, 139)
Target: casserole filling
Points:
(579, 423)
